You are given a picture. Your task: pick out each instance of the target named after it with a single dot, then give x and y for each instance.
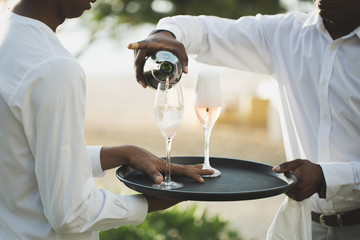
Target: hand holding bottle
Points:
(159, 40)
(160, 67)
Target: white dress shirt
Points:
(318, 81)
(46, 170)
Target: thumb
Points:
(137, 45)
(158, 178)
(133, 46)
(155, 176)
(288, 166)
(141, 45)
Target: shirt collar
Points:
(317, 20)
(320, 24)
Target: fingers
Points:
(183, 58)
(154, 174)
(288, 166)
(308, 174)
(292, 195)
(154, 168)
(153, 41)
(192, 171)
(300, 192)
(141, 51)
(133, 46)
(297, 193)
(192, 174)
(196, 166)
(137, 45)
(139, 62)
(156, 177)
(162, 40)
(148, 44)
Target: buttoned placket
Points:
(323, 139)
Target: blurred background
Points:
(120, 111)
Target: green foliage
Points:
(175, 224)
(150, 11)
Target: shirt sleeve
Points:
(239, 44)
(94, 156)
(50, 104)
(342, 178)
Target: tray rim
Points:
(179, 194)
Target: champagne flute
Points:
(169, 110)
(208, 108)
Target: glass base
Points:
(169, 185)
(216, 173)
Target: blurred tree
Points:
(113, 17)
(150, 11)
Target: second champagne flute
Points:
(169, 110)
(208, 108)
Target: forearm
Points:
(104, 157)
(237, 44)
(104, 210)
(111, 157)
(77, 207)
(183, 28)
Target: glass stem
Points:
(206, 149)
(168, 160)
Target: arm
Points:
(104, 158)
(146, 162)
(342, 178)
(52, 113)
(239, 44)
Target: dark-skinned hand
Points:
(152, 166)
(147, 163)
(161, 40)
(309, 176)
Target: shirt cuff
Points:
(163, 25)
(94, 156)
(137, 209)
(356, 168)
(339, 177)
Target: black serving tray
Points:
(239, 180)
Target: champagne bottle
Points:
(161, 66)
